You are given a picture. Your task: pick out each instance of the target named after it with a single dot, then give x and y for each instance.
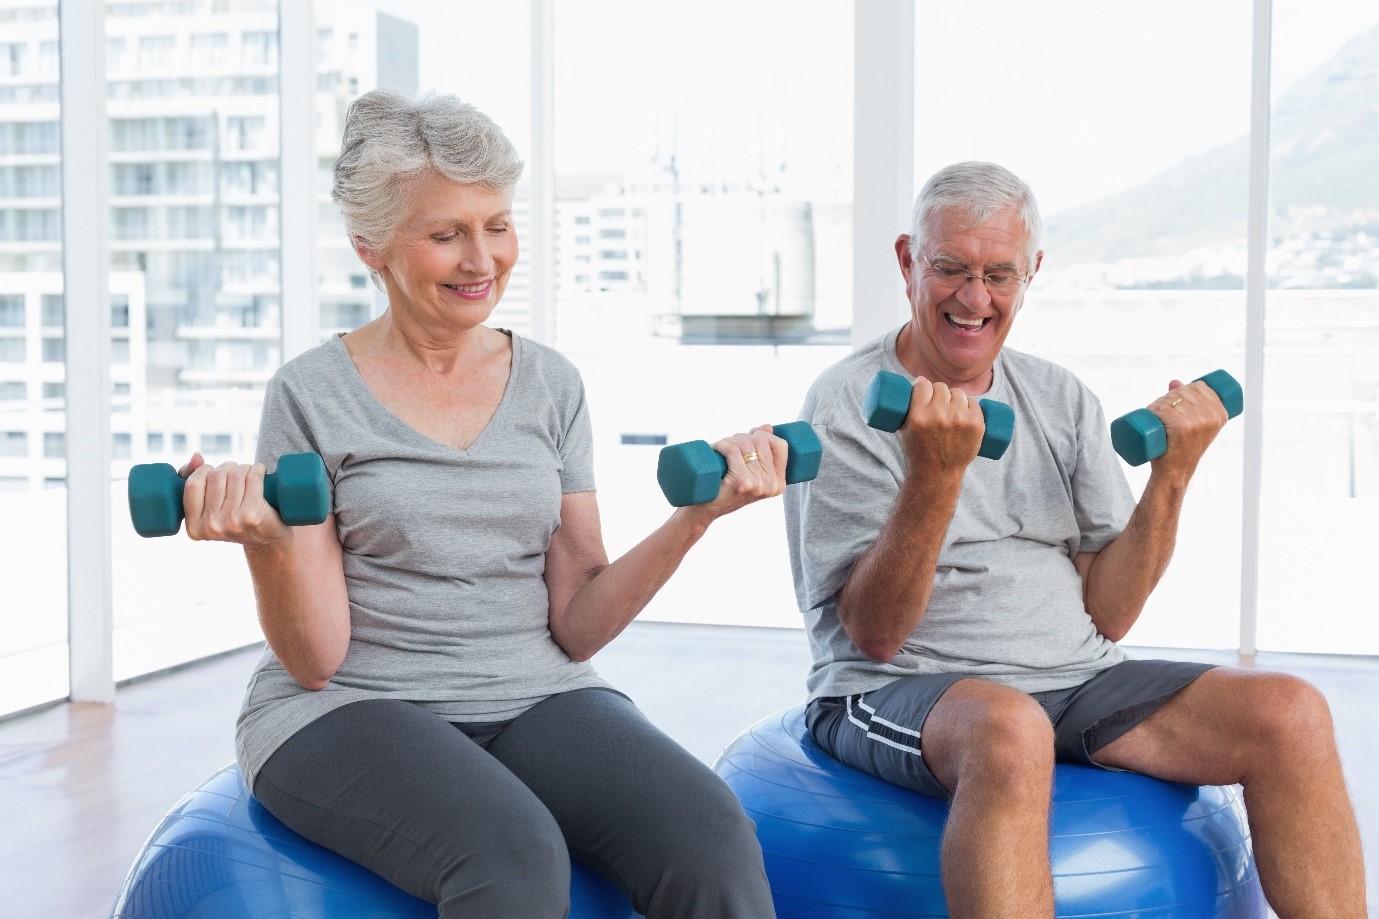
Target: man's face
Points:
(960, 321)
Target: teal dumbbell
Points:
(887, 402)
(1140, 436)
(298, 490)
(690, 473)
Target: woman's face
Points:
(449, 261)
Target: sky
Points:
(1082, 98)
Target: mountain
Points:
(1324, 179)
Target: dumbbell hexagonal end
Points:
(806, 452)
(1000, 428)
(887, 401)
(1227, 389)
(302, 489)
(690, 473)
(1139, 437)
(155, 499)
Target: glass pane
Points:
(1321, 421)
(415, 52)
(703, 254)
(33, 415)
(194, 197)
(1140, 170)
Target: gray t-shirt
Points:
(1007, 601)
(444, 549)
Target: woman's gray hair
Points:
(978, 191)
(391, 139)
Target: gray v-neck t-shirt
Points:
(444, 549)
(1007, 602)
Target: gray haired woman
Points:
(425, 705)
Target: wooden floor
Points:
(81, 786)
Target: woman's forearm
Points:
(303, 609)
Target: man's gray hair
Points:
(391, 139)
(978, 191)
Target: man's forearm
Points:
(888, 590)
(1124, 573)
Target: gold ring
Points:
(1174, 403)
(750, 457)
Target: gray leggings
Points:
(482, 819)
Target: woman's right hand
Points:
(226, 503)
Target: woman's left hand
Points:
(756, 470)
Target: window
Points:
(209, 50)
(1320, 476)
(51, 307)
(14, 443)
(1142, 230)
(156, 52)
(198, 332)
(54, 444)
(12, 311)
(714, 185)
(12, 350)
(261, 48)
(217, 444)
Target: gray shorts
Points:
(879, 731)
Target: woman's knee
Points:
(519, 868)
(705, 863)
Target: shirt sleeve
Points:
(837, 517)
(283, 425)
(577, 445)
(1102, 500)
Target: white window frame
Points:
(883, 193)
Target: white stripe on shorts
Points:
(866, 726)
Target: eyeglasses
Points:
(998, 283)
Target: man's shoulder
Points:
(1042, 373)
(839, 388)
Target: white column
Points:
(1255, 303)
(541, 170)
(85, 269)
(883, 161)
(297, 175)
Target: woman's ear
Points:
(367, 253)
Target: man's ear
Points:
(903, 255)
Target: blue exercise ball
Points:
(219, 854)
(841, 844)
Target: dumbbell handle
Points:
(298, 490)
(1139, 436)
(887, 402)
(691, 472)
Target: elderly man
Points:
(963, 616)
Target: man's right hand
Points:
(943, 429)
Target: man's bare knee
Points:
(1285, 714)
(998, 737)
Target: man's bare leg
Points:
(1271, 733)
(993, 748)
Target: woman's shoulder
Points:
(323, 359)
(543, 361)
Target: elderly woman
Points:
(425, 706)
